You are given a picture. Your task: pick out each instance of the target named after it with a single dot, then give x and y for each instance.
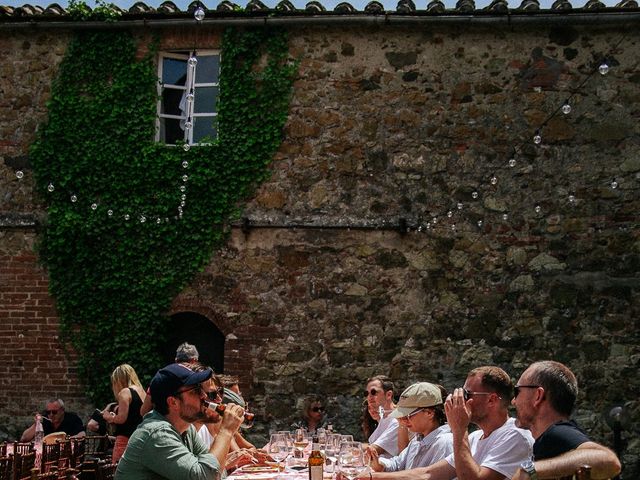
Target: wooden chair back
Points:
(96, 446)
(6, 468)
(78, 448)
(35, 475)
(22, 447)
(23, 464)
(50, 456)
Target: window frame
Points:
(189, 86)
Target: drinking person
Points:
(56, 419)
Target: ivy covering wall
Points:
(116, 247)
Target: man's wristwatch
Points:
(530, 468)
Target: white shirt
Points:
(206, 436)
(422, 451)
(386, 437)
(503, 451)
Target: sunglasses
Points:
(51, 412)
(516, 389)
(415, 412)
(317, 409)
(197, 389)
(467, 394)
(373, 392)
(217, 393)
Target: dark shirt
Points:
(71, 425)
(558, 439)
(133, 417)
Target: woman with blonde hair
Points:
(130, 395)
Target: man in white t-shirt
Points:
(379, 394)
(495, 450)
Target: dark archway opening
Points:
(200, 331)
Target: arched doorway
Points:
(200, 331)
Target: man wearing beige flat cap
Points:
(421, 410)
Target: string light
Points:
(565, 108)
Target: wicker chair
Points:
(23, 465)
(6, 468)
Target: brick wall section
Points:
(33, 364)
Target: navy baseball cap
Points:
(168, 380)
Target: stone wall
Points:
(389, 128)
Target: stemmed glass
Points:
(331, 450)
(279, 448)
(351, 460)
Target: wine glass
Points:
(279, 448)
(351, 460)
(331, 450)
(300, 442)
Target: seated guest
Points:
(495, 450)
(56, 419)
(379, 395)
(232, 394)
(421, 409)
(367, 422)
(97, 425)
(544, 399)
(311, 413)
(165, 444)
(185, 353)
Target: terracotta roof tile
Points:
(434, 8)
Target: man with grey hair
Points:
(187, 353)
(544, 399)
(56, 419)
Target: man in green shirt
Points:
(166, 445)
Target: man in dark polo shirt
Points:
(56, 419)
(544, 399)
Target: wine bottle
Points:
(316, 461)
(583, 473)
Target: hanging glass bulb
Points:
(428, 225)
(434, 220)
(94, 206)
(566, 108)
(183, 188)
(453, 227)
(19, 174)
(512, 162)
(474, 195)
(614, 184)
(572, 199)
(158, 220)
(459, 205)
(199, 14)
(185, 178)
(74, 199)
(479, 223)
(449, 214)
(190, 97)
(188, 125)
(50, 187)
(183, 203)
(603, 68)
(505, 217)
(110, 212)
(538, 208)
(185, 164)
(143, 219)
(494, 180)
(183, 197)
(537, 139)
(186, 147)
(193, 61)
(127, 216)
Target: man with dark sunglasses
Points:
(545, 396)
(495, 450)
(379, 395)
(165, 444)
(56, 419)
